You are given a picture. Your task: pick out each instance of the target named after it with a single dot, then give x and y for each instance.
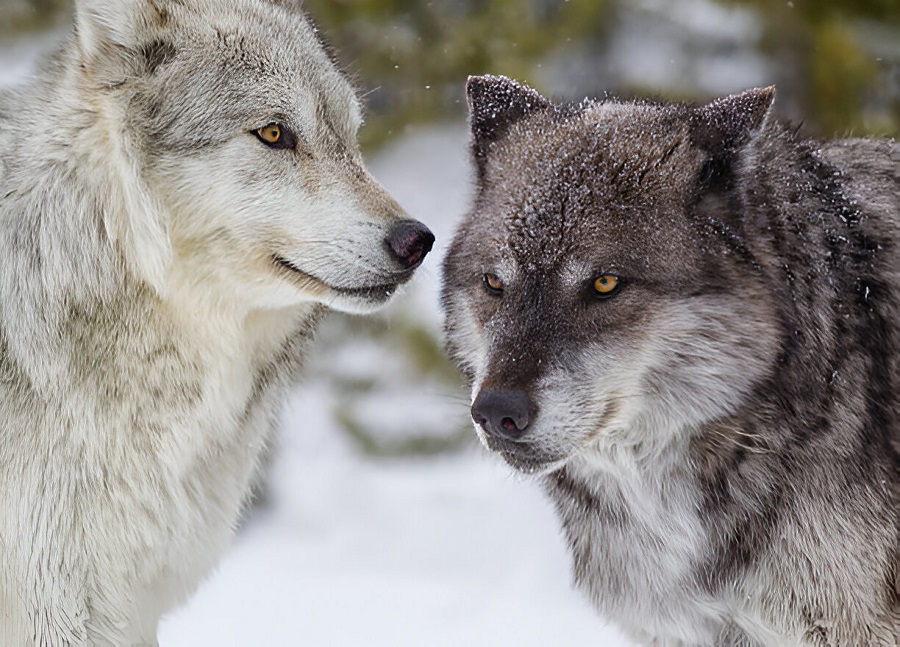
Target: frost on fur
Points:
(495, 103)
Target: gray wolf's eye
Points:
(276, 136)
(493, 284)
(606, 286)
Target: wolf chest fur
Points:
(685, 321)
(181, 198)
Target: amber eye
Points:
(270, 134)
(606, 285)
(493, 284)
(276, 136)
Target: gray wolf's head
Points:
(598, 294)
(232, 135)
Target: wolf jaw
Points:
(355, 299)
(720, 438)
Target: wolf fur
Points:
(720, 435)
(163, 269)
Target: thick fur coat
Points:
(685, 320)
(181, 197)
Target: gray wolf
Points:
(182, 198)
(684, 320)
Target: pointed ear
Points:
(728, 123)
(495, 104)
(114, 36)
(118, 41)
(724, 127)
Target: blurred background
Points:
(834, 61)
(380, 520)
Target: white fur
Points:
(146, 329)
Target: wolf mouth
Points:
(378, 292)
(524, 456)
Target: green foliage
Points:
(816, 11)
(18, 16)
(840, 76)
(415, 56)
(842, 55)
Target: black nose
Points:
(503, 413)
(410, 241)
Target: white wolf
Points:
(181, 197)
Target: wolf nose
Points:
(410, 241)
(503, 413)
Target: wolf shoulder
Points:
(869, 171)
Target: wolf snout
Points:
(409, 242)
(503, 413)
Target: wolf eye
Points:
(276, 136)
(606, 285)
(493, 284)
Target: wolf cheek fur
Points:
(719, 429)
(182, 197)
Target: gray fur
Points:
(163, 272)
(721, 437)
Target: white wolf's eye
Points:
(276, 136)
(606, 286)
(493, 284)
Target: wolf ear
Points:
(120, 38)
(495, 104)
(728, 123)
(722, 128)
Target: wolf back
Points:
(685, 320)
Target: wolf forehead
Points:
(575, 176)
(270, 64)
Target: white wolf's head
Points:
(599, 294)
(234, 136)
